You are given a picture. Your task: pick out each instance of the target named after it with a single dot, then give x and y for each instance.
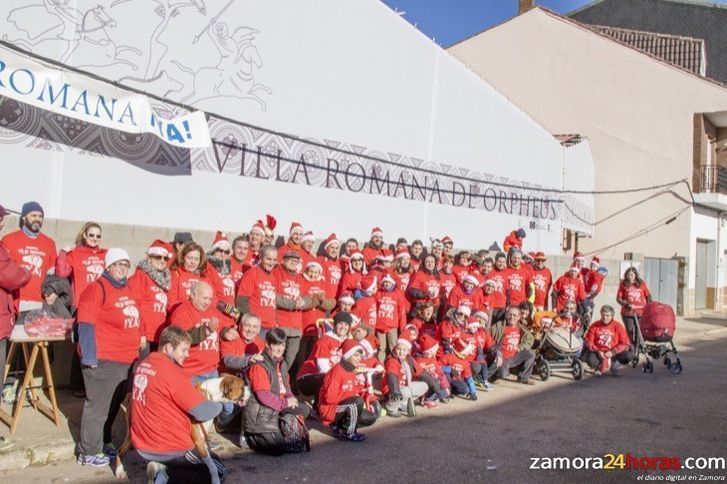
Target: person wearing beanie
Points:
(437, 250)
(13, 276)
(180, 240)
(451, 328)
(594, 278)
(568, 287)
(307, 242)
(340, 406)
(391, 308)
(477, 358)
(514, 240)
(542, 281)
(294, 243)
(498, 274)
(375, 246)
(220, 272)
(322, 296)
(457, 366)
(35, 252)
(109, 339)
(447, 245)
(256, 239)
(151, 283)
(326, 353)
(400, 385)
(515, 342)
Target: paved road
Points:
(495, 438)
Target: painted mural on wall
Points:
(130, 40)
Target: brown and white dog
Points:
(221, 389)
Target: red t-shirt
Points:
(542, 280)
(635, 295)
(510, 342)
(83, 265)
(427, 283)
(390, 311)
(338, 385)
(404, 279)
(350, 282)
(152, 302)
(457, 364)
(37, 255)
(606, 337)
(472, 300)
(593, 282)
(260, 380)
(161, 400)
(204, 357)
(517, 283)
(181, 287)
(289, 286)
(239, 347)
(259, 287)
(366, 310)
(331, 271)
(394, 366)
(115, 315)
(498, 298)
(447, 282)
(310, 316)
(328, 347)
(568, 288)
(237, 269)
(224, 285)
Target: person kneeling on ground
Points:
(398, 383)
(340, 406)
(163, 400)
(270, 399)
(515, 342)
(607, 344)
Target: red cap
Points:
(539, 256)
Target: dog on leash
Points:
(221, 389)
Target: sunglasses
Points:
(226, 252)
(157, 257)
(94, 236)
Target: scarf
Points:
(162, 278)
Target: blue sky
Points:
(449, 21)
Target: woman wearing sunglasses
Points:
(82, 264)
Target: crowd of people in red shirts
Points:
(349, 331)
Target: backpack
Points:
(295, 433)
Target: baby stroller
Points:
(655, 332)
(559, 351)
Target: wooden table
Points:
(39, 346)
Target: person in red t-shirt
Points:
(518, 285)
(390, 315)
(375, 247)
(498, 274)
(568, 287)
(33, 251)
(401, 385)
(202, 320)
(448, 281)
(466, 294)
(514, 240)
(189, 269)
(542, 281)
(163, 402)
(632, 295)
(82, 263)
(340, 405)
(256, 292)
(237, 354)
(515, 342)
(240, 246)
(330, 263)
(606, 344)
(109, 340)
(220, 269)
(425, 285)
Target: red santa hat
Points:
(482, 315)
(315, 265)
(367, 346)
(258, 226)
(350, 347)
(464, 310)
(161, 249)
(377, 231)
(308, 237)
(490, 282)
(403, 253)
(357, 255)
(447, 240)
(472, 279)
(427, 343)
(409, 328)
(463, 347)
(295, 227)
(579, 256)
(368, 283)
(389, 279)
(595, 260)
(347, 298)
(270, 222)
(403, 342)
(221, 242)
(473, 323)
(330, 239)
(386, 255)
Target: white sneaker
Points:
(156, 473)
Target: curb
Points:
(21, 458)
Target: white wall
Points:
(350, 73)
